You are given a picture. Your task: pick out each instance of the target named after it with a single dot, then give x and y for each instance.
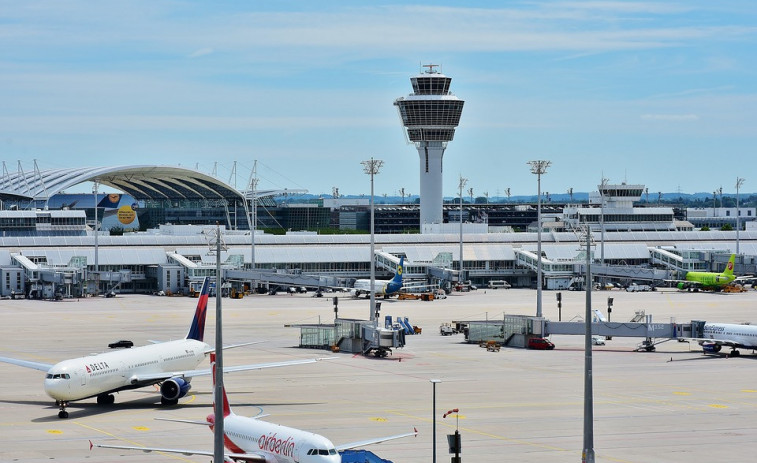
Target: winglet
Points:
(197, 330)
(226, 406)
(90, 445)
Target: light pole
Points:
(538, 168)
(218, 429)
(739, 182)
(463, 181)
(97, 266)
(253, 214)
(602, 187)
(433, 417)
(587, 456)
(372, 168)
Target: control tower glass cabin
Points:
(430, 115)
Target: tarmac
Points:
(515, 405)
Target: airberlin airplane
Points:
(255, 440)
(170, 364)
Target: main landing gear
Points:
(106, 399)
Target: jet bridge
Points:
(515, 330)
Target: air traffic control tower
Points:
(430, 114)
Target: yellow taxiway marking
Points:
(681, 393)
(170, 455)
(140, 428)
(718, 406)
(54, 431)
(749, 390)
(379, 419)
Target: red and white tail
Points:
(226, 406)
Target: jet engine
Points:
(174, 389)
(711, 347)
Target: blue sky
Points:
(660, 93)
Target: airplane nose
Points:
(52, 388)
(57, 388)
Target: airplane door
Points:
(83, 377)
(296, 453)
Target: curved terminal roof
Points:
(142, 182)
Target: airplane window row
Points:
(322, 452)
(58, 376)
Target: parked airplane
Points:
(381, 287)
(717, 335)
(255, 440)
(171, 364)
(711, 281)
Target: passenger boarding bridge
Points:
(516, 330)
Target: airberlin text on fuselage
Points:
(271, 444)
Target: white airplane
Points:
(255, 440)
(381, 287)
(717, 335)
(171, 364)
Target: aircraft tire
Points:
(62, 414)
(168, 402)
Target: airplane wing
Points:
(27, 364)
(719, 342)
(376, 440)
(248, 457)
(233, 346)
(154, 377)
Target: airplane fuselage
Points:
(381, 287)
(278, 443)
(710, 280)
(744, 336)
(93, 375)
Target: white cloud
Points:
(201, 52)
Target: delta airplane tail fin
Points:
(226, 406)
(729, 267)
(197, 330)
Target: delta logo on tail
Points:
(197, 330)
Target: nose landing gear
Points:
(62, 404)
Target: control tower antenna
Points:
(430, 116)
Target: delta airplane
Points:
(255, 440)
(717, 335)
(170, 364)
(381, 287)
(711, 281)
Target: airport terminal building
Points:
(50, 253)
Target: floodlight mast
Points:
(538, 168)
(218, 429)
(463, 181)
(372, 167)
(739, 182)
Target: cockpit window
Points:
(332, 451)
(323, 452)
(58, 376)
